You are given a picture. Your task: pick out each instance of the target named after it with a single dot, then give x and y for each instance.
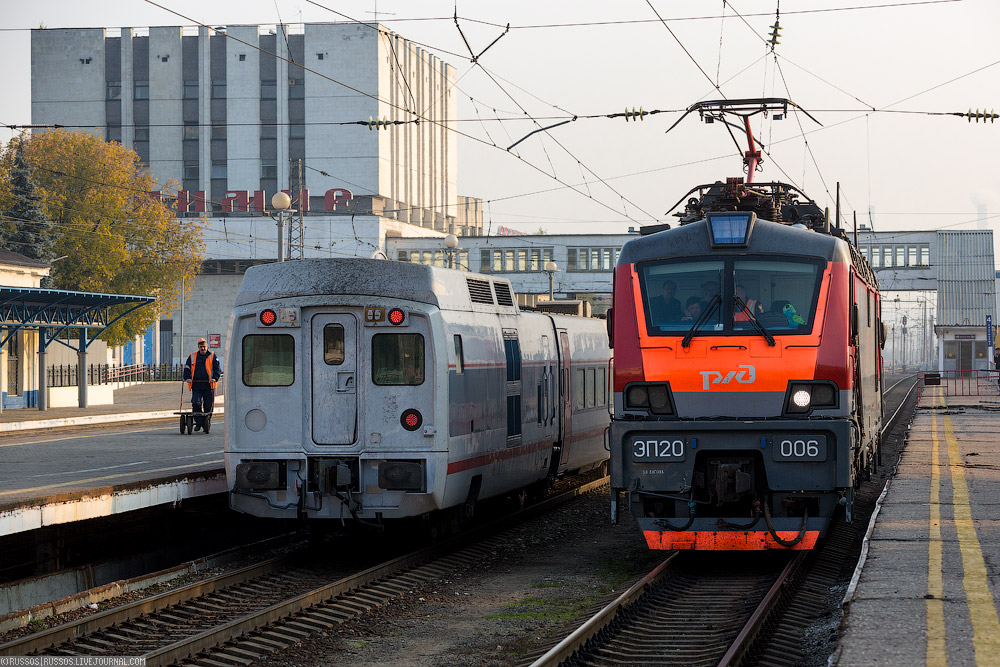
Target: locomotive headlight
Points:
(652, 397)
(802, 398)
(637, 397)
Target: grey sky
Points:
(915, 171)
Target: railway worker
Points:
(753, 305)
(666, 307)
(202, 371)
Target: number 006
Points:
(799, 448)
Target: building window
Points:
(268, 90)
(243, 57)
(190, 172)
(114, 90)
(114, 133)
(191, 130)
(218, 90)
(485, 260)
(142, 90)
(925, 255)
(319, 56)
(142, 133)
(268, 170)
(268, 131)
(190, 90)
(218, 132)
(591, 259)
(297, 132)
(900, 255)
(911, 258)
(296, 89)
(219, 169)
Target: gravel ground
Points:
(552, 574)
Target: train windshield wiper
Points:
(754, 321)
(712, 305)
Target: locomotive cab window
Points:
(730, 295)
(268, 360)
(398, 359)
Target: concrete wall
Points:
(67, 78)
(166, 92)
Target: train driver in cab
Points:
(666, 307)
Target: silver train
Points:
(372, 390)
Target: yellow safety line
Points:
(104, 478)
(982, 608)
(936, 644)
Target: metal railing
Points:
(959, 383)
(97, 374)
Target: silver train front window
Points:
(333, 344)
(781, 293)
(398, 359)
(268, 360)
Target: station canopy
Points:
(52, 311)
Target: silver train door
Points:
(565, 397)
(334, 379)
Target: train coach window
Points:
(333, 344)
(268, 360)
(579, 389)
(459, 355)
(398, 359)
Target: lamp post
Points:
(281, 203)
(550, 268)
(450, 243)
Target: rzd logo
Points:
(745, 375)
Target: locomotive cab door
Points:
(334, 379)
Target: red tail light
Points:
(411, 419)
(268, 317)
(396, 316)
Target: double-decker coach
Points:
(369, 390)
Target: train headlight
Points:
(259, 475)
(651, 397)
(637, 397)
(804, 397)
(401, 476)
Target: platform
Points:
(929, 589)
(71, 464)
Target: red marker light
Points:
(411, 419)
(268, 317)
(396, 316)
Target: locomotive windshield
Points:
(780, 294)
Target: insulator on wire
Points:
(378, 123)
(635, 115)
(775, 33)
(990, 115)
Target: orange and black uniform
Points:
(202, 373)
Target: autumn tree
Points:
(25, 228)
(113, 236)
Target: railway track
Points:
(700, 610)
(242, 615)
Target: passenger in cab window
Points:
(666, 307)
(708, 291)
(693, 309)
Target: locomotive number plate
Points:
(662, 449)
(799, 448)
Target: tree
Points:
(115, 237)
(25, 228)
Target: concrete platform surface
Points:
(51, 476)
(928, 593)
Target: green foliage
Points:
(25, 229)
(113, 236)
